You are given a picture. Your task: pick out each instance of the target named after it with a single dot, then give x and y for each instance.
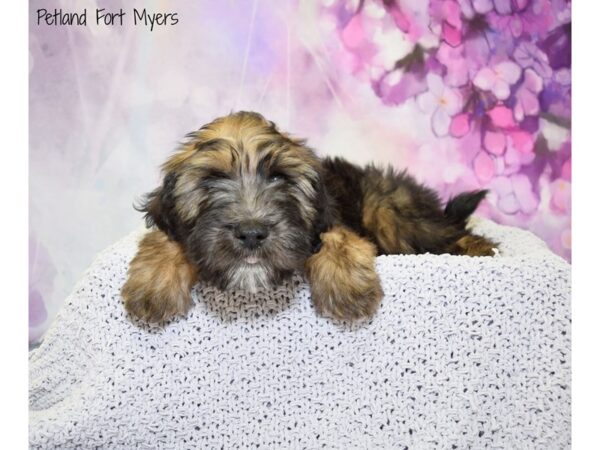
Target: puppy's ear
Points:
(159, 206)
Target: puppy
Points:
(244, 205)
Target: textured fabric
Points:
(463, 353)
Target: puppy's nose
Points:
(251, 234)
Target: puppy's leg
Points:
(342, 276)
(401, 228)
(473, 245)
(159, 281)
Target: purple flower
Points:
(498, 78)
(530, 19)
(562, 77)
(457, 69)
(557, 47)
(442, 102)
(555, 98)
(470, 8)
(446, 20)
(527, 54)
(513, 22)
(515, 194)
(527, 103)
(519, 152)
(510, 6)
(396, 87)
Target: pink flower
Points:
(353, 35)
(451, 35)
(521, 140)
(511, 146)
(527, 103)
(502, 116)
(484, 167)
(442, 102)
(498, 78)
(460, 125)
(494, 142)
(565, 171)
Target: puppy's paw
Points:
(159, 281)
(342, 276)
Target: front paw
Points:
(152, 304)
(343, 281)
(159, 280)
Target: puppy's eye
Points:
(275, 177)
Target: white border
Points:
(586, 225)
(14, 152)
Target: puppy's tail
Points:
(459, 208)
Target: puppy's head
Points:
(245, 200)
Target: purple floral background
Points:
(464, 93)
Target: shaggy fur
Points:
(159, 280)
(244, 205)
(342, 275)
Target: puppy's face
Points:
(245, 201)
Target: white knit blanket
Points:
(463, 353)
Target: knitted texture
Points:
(463, 353)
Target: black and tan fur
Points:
(243, 206)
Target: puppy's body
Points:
(247, 205)
(395, 212)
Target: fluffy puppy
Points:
(243, 206)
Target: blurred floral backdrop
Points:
(463, 93)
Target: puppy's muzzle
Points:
(251, 234)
